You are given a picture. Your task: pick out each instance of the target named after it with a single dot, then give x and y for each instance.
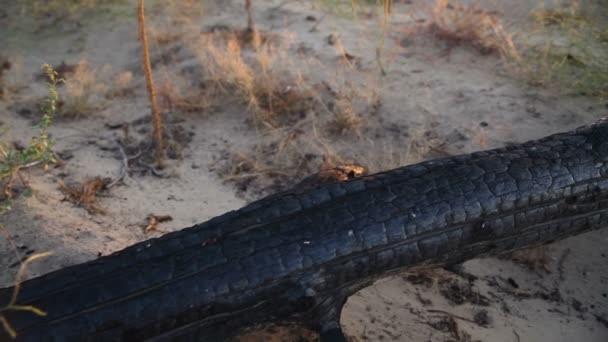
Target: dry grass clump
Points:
(82, 92)
(569, 16)
(304, 120)
(283, 157)
(346, 118)
(415, 148)
(181, 12)
(566, 51)
(259, 77)
(184, 95)
(256, 173)
(122, 86)
(457, 22)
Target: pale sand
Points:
(426, 89)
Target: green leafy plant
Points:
(39, 151)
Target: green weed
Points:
(12, 161)
(39, 151)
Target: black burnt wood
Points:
(299, 255)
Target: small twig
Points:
(8, 186)
(452, 315)
(123, 168)
(154, 220)
(137, 155)
(12, 304)
(560, 263)
(517, 338)
(30, 164)
(151, 169)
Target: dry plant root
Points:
(84, 195)
(124, 167)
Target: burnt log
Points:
(299, 255)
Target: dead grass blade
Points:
(12, 304)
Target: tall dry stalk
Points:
(250, 24)
(156, 116)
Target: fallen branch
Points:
(453, 315)
(299, 255)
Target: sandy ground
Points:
(436, 100)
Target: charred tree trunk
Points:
(300, 255)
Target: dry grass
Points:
(82, 92)
(345, 119)
(122, 86)
(459, 23)
(416, 148)
(259, 77)
(12, 304)
(180, 94)
(568, 16)
(259, 72)
(566, 51)
(181, 12)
